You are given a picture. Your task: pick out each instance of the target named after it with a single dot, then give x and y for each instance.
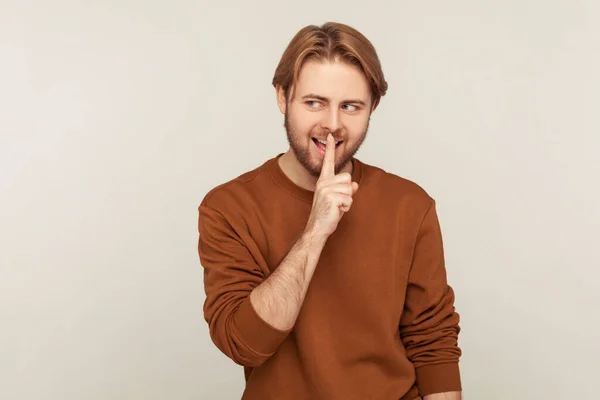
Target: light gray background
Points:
(116, 117)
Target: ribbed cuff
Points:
(438, 378)
(256, 333)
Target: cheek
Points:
(304, 123)
(356, 127)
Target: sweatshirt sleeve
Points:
(230, 274)
(429, 324)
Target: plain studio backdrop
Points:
(116, 118)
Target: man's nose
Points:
(331, 120)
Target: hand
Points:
(332, 197)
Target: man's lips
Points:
(324, 141)
(321, 147)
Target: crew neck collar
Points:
(303, 194)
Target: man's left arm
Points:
(429, 324)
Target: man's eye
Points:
(312, 103)
(353, 107)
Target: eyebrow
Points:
(325, 99)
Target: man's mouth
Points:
(322, 144)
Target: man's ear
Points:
(281, 102)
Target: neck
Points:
(292, 168)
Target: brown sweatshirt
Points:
(378, 320)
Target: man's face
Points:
(329, 98)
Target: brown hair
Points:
(330, 42)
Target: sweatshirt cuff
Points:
(262, 338)
(438, 378)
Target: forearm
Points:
(444, 396)
(279, 298)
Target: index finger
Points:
(328, 168)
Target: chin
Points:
(314, 168)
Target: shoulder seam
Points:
(257, 171)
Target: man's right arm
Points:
(250, 311)
(279, 298)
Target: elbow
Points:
(243, 336)
(230, 343)
(242, 356)
(250, 362)
(240, 333)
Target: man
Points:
(325, 276)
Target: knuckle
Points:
(346, 177)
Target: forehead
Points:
(334, 80)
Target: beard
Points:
(303, 153)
